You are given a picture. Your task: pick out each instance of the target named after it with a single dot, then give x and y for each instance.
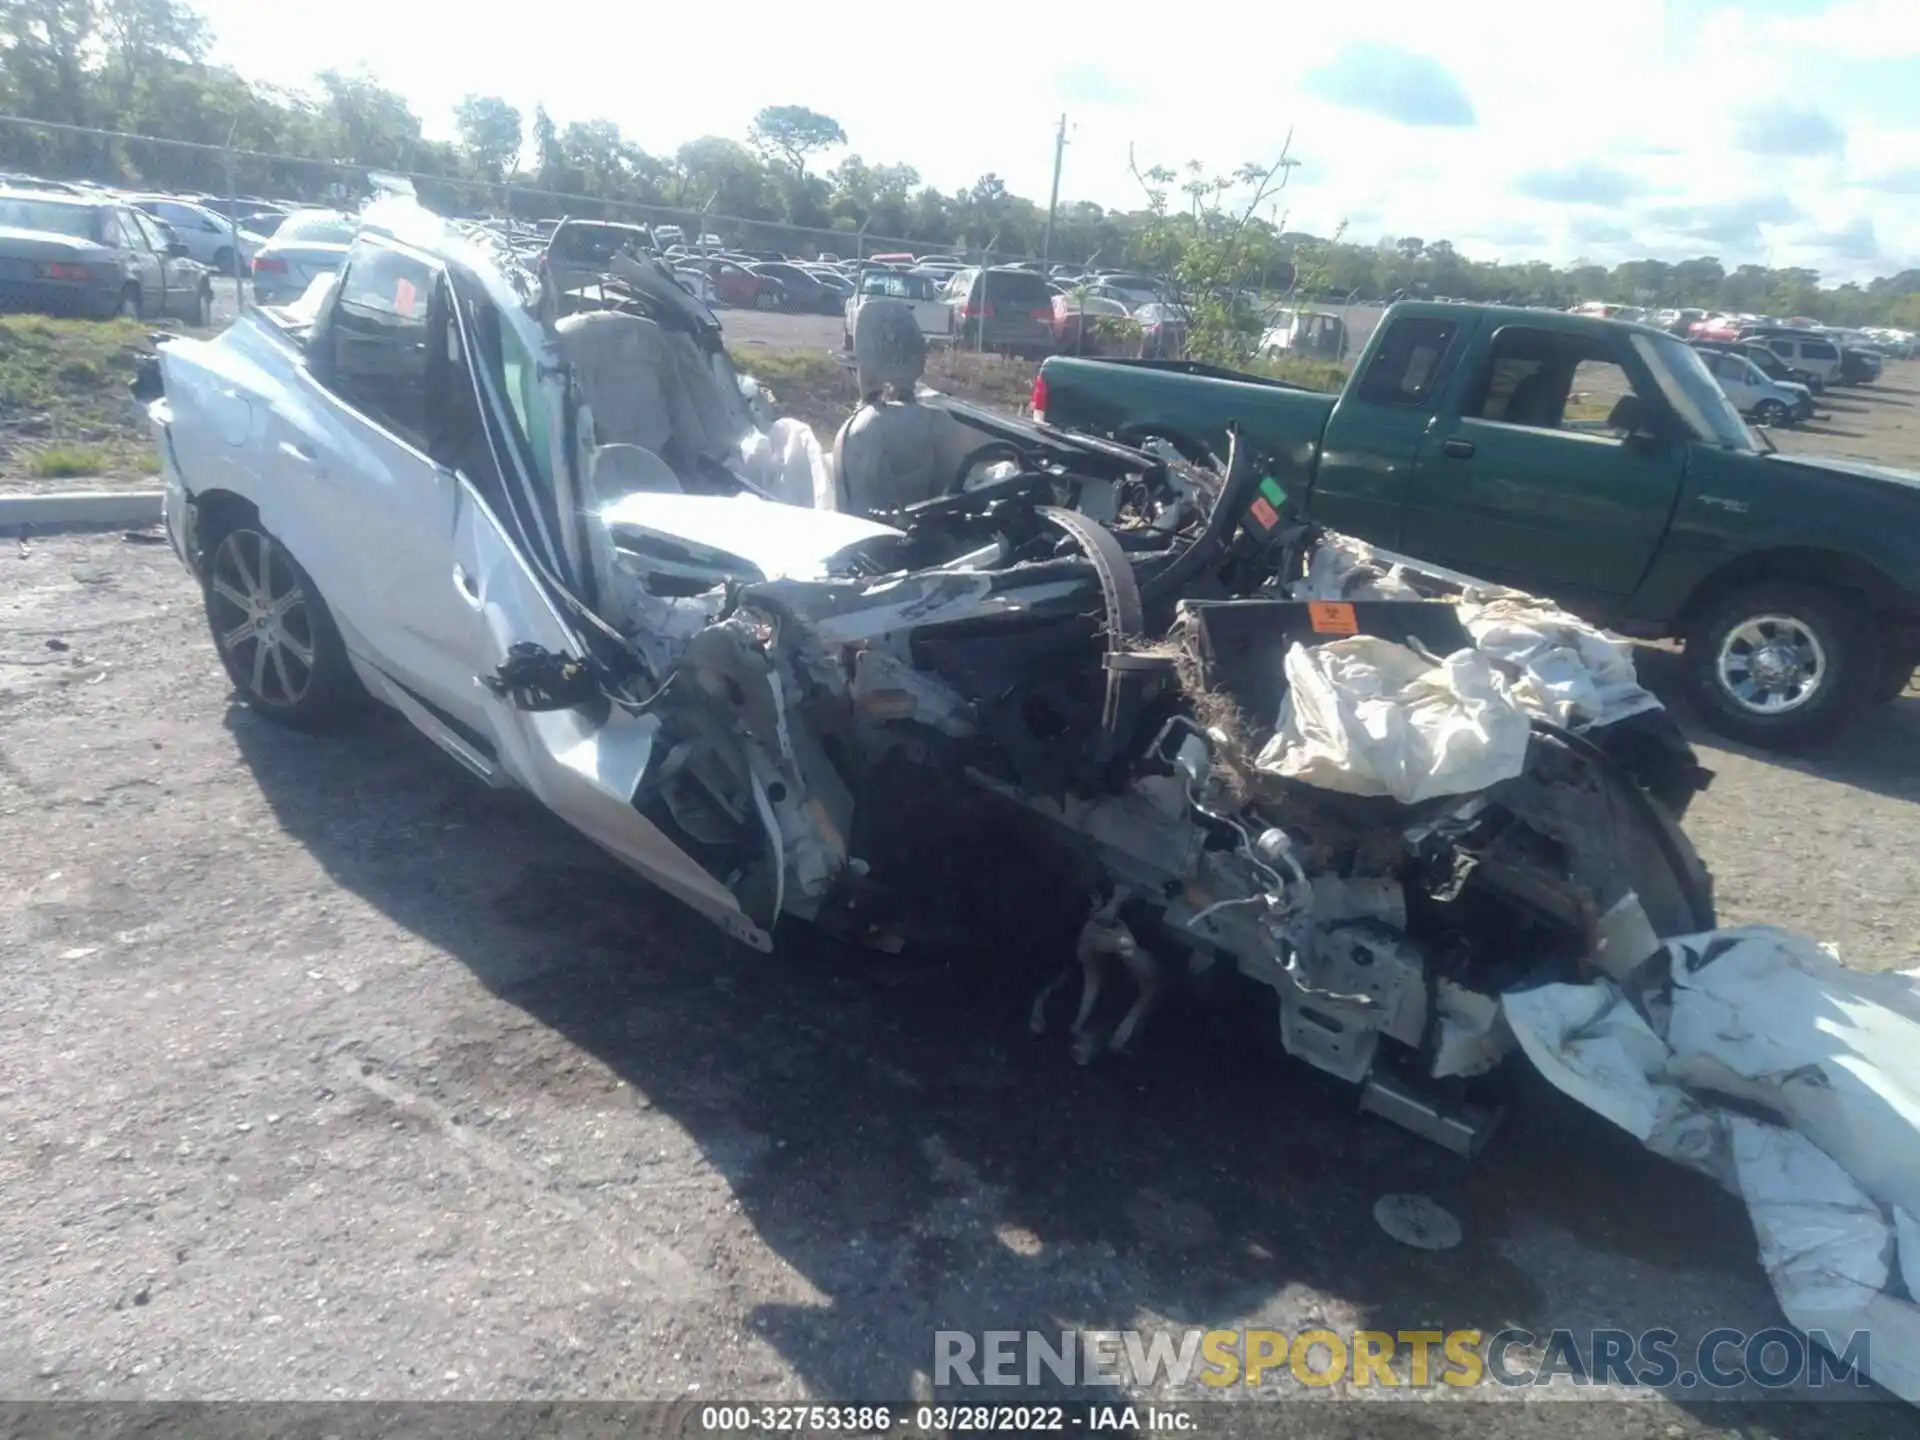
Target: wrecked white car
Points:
(975, 681)
(966, 680)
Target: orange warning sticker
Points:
(1332, 617)
(1264, 513)
(403, 296)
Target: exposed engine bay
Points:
(981, 681)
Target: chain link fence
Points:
(118, 159)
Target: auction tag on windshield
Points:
(403, 296)
(1332, 617)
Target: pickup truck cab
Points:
(1587, 459)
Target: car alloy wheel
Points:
(129, 304)
(1770, 412)
(766, 300)
(1771, 664)
(261, 620)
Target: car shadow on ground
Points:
(1815, 427)
(1878, 752)
(925, 1165)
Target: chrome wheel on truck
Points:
(1780, 665)
(1771, 664)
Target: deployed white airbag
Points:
(1366, 716)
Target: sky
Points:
(1782, 132)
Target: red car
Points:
(735, 285)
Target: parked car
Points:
(89, 254)
(577, 251)
(1860, 364)
(307, 243)
(1002, 309)
(1812, 354)
(921, 294)
(1134, 290)
(1309, 334)
(730, 283)
(834, 280)
(668, 236)
(210, 237)
(1793, 579)
(800, 290)
(1764, 401)
(1769, 364)
(1088, 324)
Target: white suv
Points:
(1815, 355)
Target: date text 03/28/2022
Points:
(942, 1419)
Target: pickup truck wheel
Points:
(1778, 666)
(766, 300)
(1771, 413)
(274, 633)
(1896, 673)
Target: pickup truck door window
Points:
(1374, 433)
(1535, 478)
(375, 402)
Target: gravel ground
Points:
(334, 1074)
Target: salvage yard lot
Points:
(332, 1073)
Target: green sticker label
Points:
(1270, 488)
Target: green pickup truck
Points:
(1589, 460)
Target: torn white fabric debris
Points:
(1769, 1020)
(1342, 568)
(1571, 673)
(1366, 716)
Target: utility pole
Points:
(1053, 201)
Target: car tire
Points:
(273, 631)
(766, 300)
(129, 306)
(1771, 413)
(223, 260)
(1778, 666)
(201, 315)
(1896, 673)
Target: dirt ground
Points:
(333, 1074)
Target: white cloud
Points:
(1643, 98)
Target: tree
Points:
(490, 133)
(547, 158)
(790, 133)
(1410, 246)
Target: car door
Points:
(179, 281)
(1735, 374)
(1374, 434)
(378, 514)
(130, 244)
(1522, 479)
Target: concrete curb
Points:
(79, 508)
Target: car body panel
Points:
(433, 596)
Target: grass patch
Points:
(58, 462)
(808, 385)
(64, 405)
